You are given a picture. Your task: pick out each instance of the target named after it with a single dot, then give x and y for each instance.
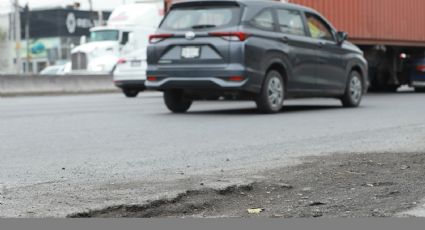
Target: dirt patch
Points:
(344, 185)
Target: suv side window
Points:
(264, 20)
(318, 28)
(290, 22)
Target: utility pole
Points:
(18, 37)
(91, 12)
(91, 5)
(27, 37)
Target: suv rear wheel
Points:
(176, 101)
(354, 91)
(270, 100)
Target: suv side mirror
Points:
(341, 37)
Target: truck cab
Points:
(100, 52)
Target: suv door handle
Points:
(321, 44)
(285, 39)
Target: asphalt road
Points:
(67, 154)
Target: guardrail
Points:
(14, 85)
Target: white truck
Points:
(99, 54)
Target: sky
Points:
(5, 5)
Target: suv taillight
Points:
(155, 38)
(231, 36)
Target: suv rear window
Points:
(184, 18)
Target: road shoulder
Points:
(339, 185)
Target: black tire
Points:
(271, 98)
(385, 88)
(131, 93)
(176, 101)
(392, 88)
(354, 91)
(419, 90)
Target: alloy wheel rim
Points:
(356, 89)
(275, 92)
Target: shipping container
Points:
(386, 22)
(390, 32)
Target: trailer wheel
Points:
(419, 90)
(391, 88)
(383, 87)
(354, 91)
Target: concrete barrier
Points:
(13, 85)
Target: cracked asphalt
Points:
(70, 154)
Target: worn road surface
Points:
(69, 154)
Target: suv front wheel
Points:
(354, 91)
(176, 101)
(271, 98)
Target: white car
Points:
(130, 73)
(56, 70)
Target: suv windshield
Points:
(184, 18)
(104, 35)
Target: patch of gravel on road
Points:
(340, 185)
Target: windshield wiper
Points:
(203, 26)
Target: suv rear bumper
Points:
(199, 78)
(195, 82)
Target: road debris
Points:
(307, 189)
(285, 186)
(404, 167)
(256, 210)
(316, 204)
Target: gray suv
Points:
(264, 51)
